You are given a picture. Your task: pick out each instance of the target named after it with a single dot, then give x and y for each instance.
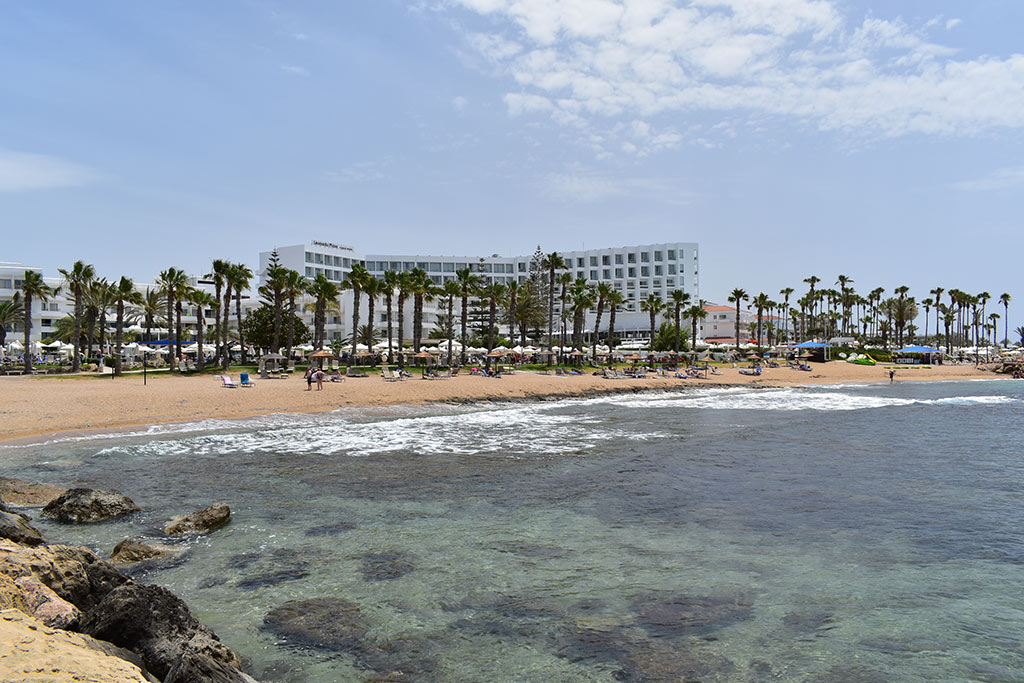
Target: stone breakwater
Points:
(67, 612)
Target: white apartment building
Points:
(635, 271)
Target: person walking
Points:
(892, 375)
(309, 378)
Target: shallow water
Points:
(850, 533)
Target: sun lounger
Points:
(385, 372)
(352, 372)
(227, 382)
(750, 371)
(243, 380)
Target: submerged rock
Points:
(384, 566)
(16, 528)
(131, 552)
(200, 521)
(18, 492)
(331, 529)
(679, 615)
(89, 505)
(273, 578)
(325, 623)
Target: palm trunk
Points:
(291, 326)
(654, 315)
(76, 362)
(401, 327)
(226, 358)
(177, 330)
(597, 331)
(355, 322)
(370, 306)
(118, 337)
(200, 357)
(465, 305)
(391, 352)
(611, 334)
(216, 325)
(27, 324)
(417, 321)
(278, 305)
(238, 316)
(172, 360)
(451, 332)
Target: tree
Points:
(680, 299)
(125, 294)
(355, 280)
(372, 288)
(511, 296)
(582, 298)
(696, 313)
(564, 280)
(1020, 333)
(201, 300)
(150, 309)
(927, 303)
(739, 296)
(937, 293)
(994, 317)
(404, 286)
(422, 290)
(294, 285)
(451, 289)
(172, 282)
(603, 290)
(552, 262)
(76, 279)
(761, 302)
(492, 293)
(390, 283)
(1004, 299)
(275, 277)
(843, 281)
(529, 312)
(258, 328)
(615, 299)
(217, 275)
(32, 286)
(468, 284)
(237, 278)
(10, 315)
(785, 294)
(653, 305)
(325, 295)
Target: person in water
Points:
(892, 375)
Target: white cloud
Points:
(459, 103)
(362, 172)
(579, 184)
(295, 70)
(590, 63)
(1000, 179)
(22, 171)
(300, 36)
(952, 23)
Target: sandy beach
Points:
(33, 407)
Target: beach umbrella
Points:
(496, 354)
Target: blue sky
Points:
(788, 137)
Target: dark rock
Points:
(331, 529)
(680, 615)
(384, 566)
(813, 621)
(592, 645)
(89, 505)
(75, 574)
(155, 623)
(326, 623)
(197, 664)
(211, 582)
(200, 521)
(653, 661)
(131, 552)
(273, 578)
(243, 560)
(16, 528)
(18, 492)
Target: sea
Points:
(846, 533)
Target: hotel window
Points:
(579, 262)
(18, 283)
(318, 258)
(435, 267)
(593, 260)
(395, 266)
(643, 284)
(408, 265)
(47, 322)
(657, 256)
(631, 257)
(346, 262)
(644, 256)
(448, 268)
(422, 265)
(486, 268)
(657, 270)
(318, 271)
(670, 282)
(6, 284)
(630, 284)
(309, 257)
(618, 259)
(54, 307)
(593, 275)
(579, 275)
(499, 267)
(309, 272)
(606, 274)
(656, 284)
(522, 266)
(631, 272)
(436, 279)
(671, 269)
(645, 271)
(671, 254)
(337, 260)
(606, 260)
(618, 272)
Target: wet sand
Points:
(37, 407)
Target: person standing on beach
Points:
(892, 375)
(309, 378)
(319, 380)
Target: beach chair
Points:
(226, 382)
(388, 376)
(243, 380)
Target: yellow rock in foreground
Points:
(31, 652)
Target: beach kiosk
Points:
(819, 351)
(917, 355)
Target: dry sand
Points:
(33, 407)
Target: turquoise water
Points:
(852, 533)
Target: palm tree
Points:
(125, 294)
(422, 290)
(493, 293)
(76, 279)
(217, 275)
(786, 293)
(172, 283)
(652, 305)
(1004, 299)
(275, 277)
(451, 289)
(238, 278)
(100, 296)
(994, 317)
(552, 262)
(32, 286)
(843, 281)
(937, 293)
(468, 283)
(325, 293)
(564, 280)
(582, 295)
(372, 288)
(604, 289)
(927, 303)
(761, 302)
(355, 280)
(812, 280)
(150, 308)
(405, 284)
(201, 300)
(10, 315)
(390, 283)
(680, 299)
(1019, 331)
(695, 313)
(511, 296)
(740, 295)
(294, 285)
(615, 299)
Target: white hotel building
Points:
(635, 271)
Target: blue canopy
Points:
(813, 345)
(919, 349)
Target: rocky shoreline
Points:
(71, 614)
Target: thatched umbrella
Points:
(320, 355)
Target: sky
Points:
(790, 138)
